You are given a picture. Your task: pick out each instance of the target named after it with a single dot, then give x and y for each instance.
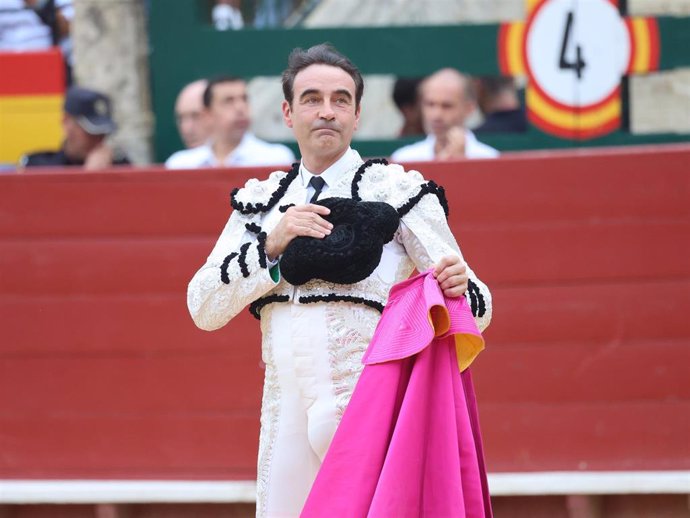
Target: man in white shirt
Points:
(21, 28)
(230, 144)
(447, 102)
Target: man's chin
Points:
(327, 139)
(328, 146)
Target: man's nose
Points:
(326, 111)
(433, 112)
(242, 106)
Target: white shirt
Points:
(251, 151)
(424, 150)
(21, 28)
(345, 163)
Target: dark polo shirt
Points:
(58, 158)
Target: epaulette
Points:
(262, 195)
(377, 180)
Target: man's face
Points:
(323, 115)
(192, 122)
(229, 111)
(78, 143)
(444, 105)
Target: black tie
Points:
(317, 183)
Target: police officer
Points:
(86, 122)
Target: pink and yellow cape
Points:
(409, 443)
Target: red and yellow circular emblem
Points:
(574, 59)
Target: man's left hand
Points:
(451, 274)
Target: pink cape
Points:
(409, 443)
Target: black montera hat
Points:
(91, 109)
(351, 252)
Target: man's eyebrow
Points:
(309, 91)
(344, 92)
(233, 97)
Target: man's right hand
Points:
(299, 220)
(100, 157)
(455, 145)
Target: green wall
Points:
(184, 47)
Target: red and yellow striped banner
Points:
(32, 86)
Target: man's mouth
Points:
(326, 128)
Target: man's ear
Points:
(287, 114)
(358, 112)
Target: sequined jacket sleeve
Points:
(424, 230)
(234, 275)
(237, 272)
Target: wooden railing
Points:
(104, 376)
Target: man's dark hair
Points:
(405, 91)
(208, 92)
(322, 54)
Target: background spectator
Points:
(87, 121)
(447, 99)
(226, 15)
(273, 13)
(231, 144)
(499, 102)
(21, 28)
(192, 123)
(406, 98)
(64, 16)
(58, 16)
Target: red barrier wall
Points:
(103, 374)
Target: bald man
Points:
(447, 101)
(230, 142)
(189, 114)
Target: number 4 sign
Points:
(574, 54)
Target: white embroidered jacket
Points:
(236, 274)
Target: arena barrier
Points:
(108, 392)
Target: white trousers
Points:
(313, 360)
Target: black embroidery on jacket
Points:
(255, 208)
(473, 299)
(224, 268)
(428, 188)
(476, 299)
(256, 306)
(261, 242)
(332, 297)
(261, 248)
(252, 227)
(242, 260)
(360, 172)
(284, 208)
